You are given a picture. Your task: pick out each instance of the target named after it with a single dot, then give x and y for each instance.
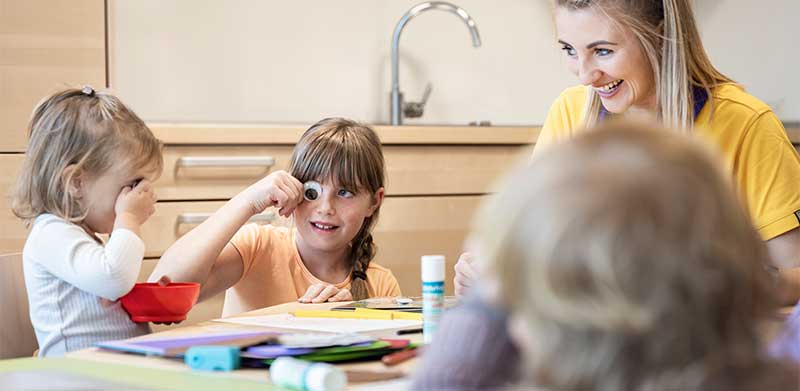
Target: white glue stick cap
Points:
(433, 268)
(326, 377)
(303, 375)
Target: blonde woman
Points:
(645, 59)
(618, 279)
(613, 278)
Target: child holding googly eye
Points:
(87, 171)
(333, 191)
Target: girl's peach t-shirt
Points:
(275, 274)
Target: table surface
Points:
(358, 373)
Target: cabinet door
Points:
(215, 173)
(12, 231)
(46, 45)
(408, 228)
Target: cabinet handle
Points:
(197, 218)
(225, 161)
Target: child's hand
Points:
(465, 274)
(164, 281)
(278, 189)
(135, 205)
(320, 293)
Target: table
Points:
(368, 374)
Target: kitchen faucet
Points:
(397, 96)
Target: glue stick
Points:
(301, 375)
(432, 294)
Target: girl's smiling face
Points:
(606, 58)
(330, 222)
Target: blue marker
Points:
(213, 358)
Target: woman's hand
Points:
(465, 274)
(278, 189)
(320, 293)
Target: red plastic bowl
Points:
(151, 302)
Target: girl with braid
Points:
(333, 189)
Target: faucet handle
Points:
(415, 109)
(427, 93)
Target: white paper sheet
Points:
(333, 325)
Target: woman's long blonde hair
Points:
(668, 35)
(631, 261)
(350, 154)
(89, 130)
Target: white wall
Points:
(296, 62)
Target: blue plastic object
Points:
(213, 358)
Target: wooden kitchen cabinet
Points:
(46, 45)
(12, 230)
(220, 172)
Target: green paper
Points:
(345, 353)
(134, 376)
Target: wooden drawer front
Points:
(411, 170)
(409, 227)
(445, 170)
(12, 231)
(207, 310)
(46, 46)
(214, 173)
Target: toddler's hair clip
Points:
(88, 90)
(359, 274)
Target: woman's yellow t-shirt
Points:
(750, 137)
(274, 273)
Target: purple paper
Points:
(160, 347)
(274, 351)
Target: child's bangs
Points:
(335, 159)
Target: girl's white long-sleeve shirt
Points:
(73, 284)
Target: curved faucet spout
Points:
(410, 14)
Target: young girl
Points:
(327, 257)
(87, 171)
(614, 278)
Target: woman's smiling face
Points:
(606, 58)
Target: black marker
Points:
(409, 331)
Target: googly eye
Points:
(311, 190)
